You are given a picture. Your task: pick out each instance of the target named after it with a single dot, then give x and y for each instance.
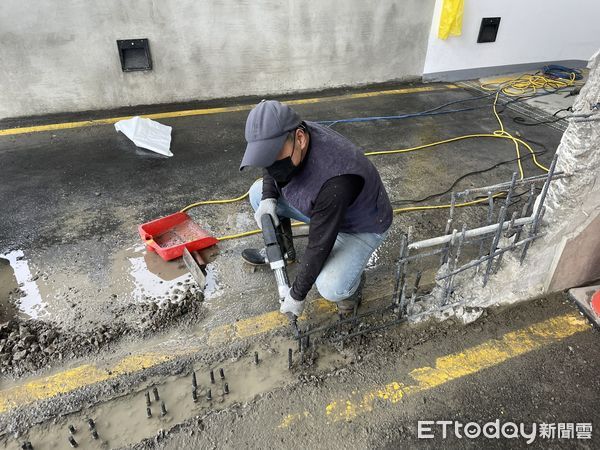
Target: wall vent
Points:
(488, 29)
(134, 54)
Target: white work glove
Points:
(291, 305)
(267, 206)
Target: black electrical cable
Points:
(458, 180)
(522, 121)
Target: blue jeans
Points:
(340, 275)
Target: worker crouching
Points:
(315, 175)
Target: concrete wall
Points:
(531, 32)
(572, 215)
(61, 55)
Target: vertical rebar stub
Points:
(72, 429)
(194, 381)
(73, 442)
(91, 423)
(226, 388)
(256, 358)
(289, 358)
(148, 412)
(212, 377)
(163, 409)
(148, 401)
(95, 434)
(155, 392)
(208, 395)
(222, 373)
(194, 395)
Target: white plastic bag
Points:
(147, 134)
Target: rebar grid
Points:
(450, 247)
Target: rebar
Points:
(194, 381)
(163, 409)
(507, 234)
(208, 395)
(525, 210)
(222, 374)
(402, 300)
(148, 412)
(95, 434)
(488, 257)
(226, 389)
(212, 377)
(538, 211)
(155, 392)
(490, 215)
(194, 395)
(400, 268)
(453, 263)
(256, 358)
(506, 184)
(443, 250)
(289, 358)
(447, 248)
(72, 429)
(73, 442)
(494, 245)
(147, 395)
(91, 424)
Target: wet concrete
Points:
(73, 200)
(262, 396)
(556, 384)
(125, 420)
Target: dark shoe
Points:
(350, 305)
(258, 257)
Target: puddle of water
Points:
(30, 304)
(154, 278)
(124, 421)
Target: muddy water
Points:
(145, 276)
(124, 421)
(16, 273)
(8, 283)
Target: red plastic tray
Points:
(169, 235)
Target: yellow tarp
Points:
(451, 18)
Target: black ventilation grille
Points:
(134, 54)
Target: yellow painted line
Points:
(88, 374)
(219, 110)
(78, 377)
(449, 368)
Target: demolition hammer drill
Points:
(275, 256)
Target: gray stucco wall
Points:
(62, 56)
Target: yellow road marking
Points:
(69, 380)
(450, 367)
(88, 374)
(219, 110)
(446, 368)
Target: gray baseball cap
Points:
(267, 127)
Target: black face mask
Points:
(284, 169)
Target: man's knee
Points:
(255, 194)
(333, 288)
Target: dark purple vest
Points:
(331, 155)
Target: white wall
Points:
(530, 31)
(61, 55)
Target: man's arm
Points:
(269, 186)
(328, 212)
